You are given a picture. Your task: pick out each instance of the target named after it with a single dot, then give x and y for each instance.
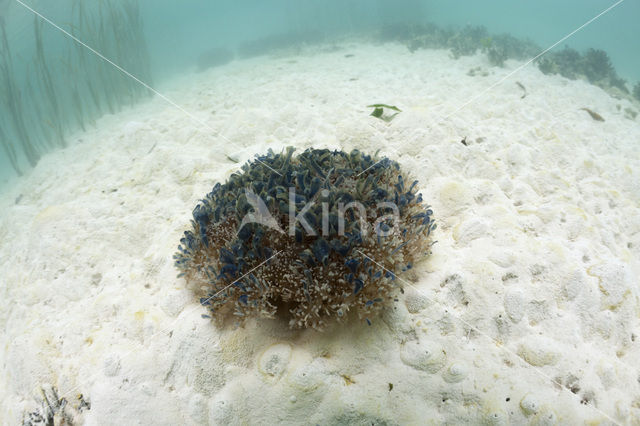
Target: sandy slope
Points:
(538, 251)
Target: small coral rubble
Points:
(307, 237)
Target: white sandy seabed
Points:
(527, 311)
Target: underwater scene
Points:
(336, 212)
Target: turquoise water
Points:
(180, 32)
(52, 93)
